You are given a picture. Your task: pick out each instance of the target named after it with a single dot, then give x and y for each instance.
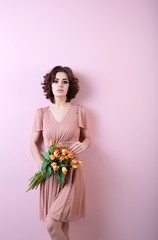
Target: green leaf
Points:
(50, 149)
(44, 165)
(45, 155)
(64, 165)
(63, 177)
(60, 177)
(48, 172)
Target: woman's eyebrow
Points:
(62, 79)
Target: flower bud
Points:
(61, 158)
(80, 163)
(52, 157)
(74, 161)
(56, 152)
(64, 170)
(54, 164)
(70, 154)
(52, 142)
(74, 166)
(60, 146)
(55, 168)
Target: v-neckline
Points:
(63, 117)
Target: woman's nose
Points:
(60, 84)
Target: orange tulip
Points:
(55, 168)
(64, 170)
(52, 157)
(70, 154)
(61, 158)
(55, 149)
(52, 142)
(80, 163)
(56, 152)
(64, 150)
(74, 166)
(74, 161)
(54, 164)
(61, 146)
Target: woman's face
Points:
(60, 82)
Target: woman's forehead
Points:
(61, 75)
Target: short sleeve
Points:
(38, 123)
(83, 117)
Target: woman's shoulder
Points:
(81, 107)
(79, 104)
(40, 111)
(42, 108)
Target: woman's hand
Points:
(78, 147)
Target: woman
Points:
(66, 123)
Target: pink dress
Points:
(68, 204)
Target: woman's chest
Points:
(68, 126)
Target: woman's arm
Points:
(34, 148)
(85, 137)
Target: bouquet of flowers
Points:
(57, 160)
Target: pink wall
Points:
(111, 46)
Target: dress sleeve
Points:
(38, 123)
(83, 117)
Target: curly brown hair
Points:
(48, 80)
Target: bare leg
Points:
(65, 227)
(55, 229)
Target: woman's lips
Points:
(60, 90)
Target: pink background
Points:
(112, 48)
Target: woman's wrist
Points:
(87, 142)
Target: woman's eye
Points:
(55, 81)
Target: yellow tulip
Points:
(64, 170)
(64, 150)
(52, 157)
(70, 154)
(80, 163)
(74, 166)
